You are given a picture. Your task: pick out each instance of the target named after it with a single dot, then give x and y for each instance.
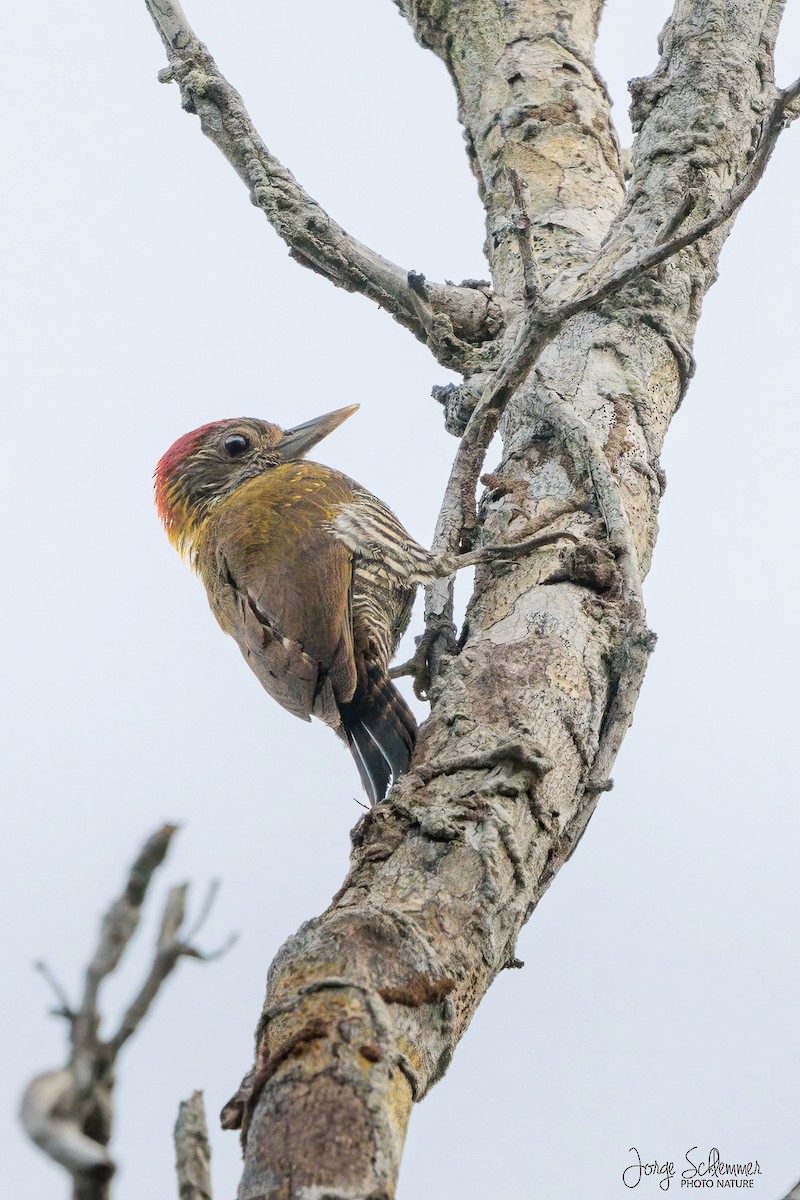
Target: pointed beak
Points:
(297, 442)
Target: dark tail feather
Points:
(380, 731)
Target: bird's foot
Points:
(506, 552)
(439, 638)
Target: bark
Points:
(452, 321)
(536, 117)
(600, 290)
(192, 1151)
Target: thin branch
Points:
(576, 435)
(204, 912)
(122, 919)
(451, 320)
(192, 1150)
(439, 635)
(65, 1008)
(530, 273)
(68, 1113)
(506, 552)
(457, 522)
(783, 112)
(169, 949)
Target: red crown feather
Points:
(171, 506)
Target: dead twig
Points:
(68, 1113)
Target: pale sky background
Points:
(143, 296)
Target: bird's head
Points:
(208, 464)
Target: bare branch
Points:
(68, 1113)
(192, 1150)
(576, 435)
(46, 1105)
(65, 1008)
(456, 523)
(783, 112)
(522, 225)
(506, 552)
(122, 919)
(452, 321)
(169, 949)
(204, 912)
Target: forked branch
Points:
(668, 243)
(534, 330)
(68, 1112)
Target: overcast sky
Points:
(143, 296)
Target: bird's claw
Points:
(506, 552)
(423, 665)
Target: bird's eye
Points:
(236, 445)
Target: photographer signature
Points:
(699, 1172)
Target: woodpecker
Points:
(312, 576)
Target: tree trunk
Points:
(581, 351)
